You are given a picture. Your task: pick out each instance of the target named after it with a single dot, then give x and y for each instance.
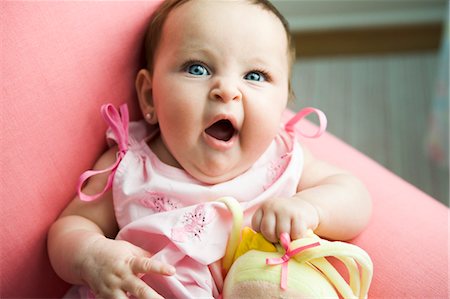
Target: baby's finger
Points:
(283, 226)
(106, 292)
(256, 220)
(145, 265)
(118, 294)
(298, 229)
(268, 227)
(139, 289)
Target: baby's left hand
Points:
(291, 215)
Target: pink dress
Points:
(175, 217)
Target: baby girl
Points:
(212, 96)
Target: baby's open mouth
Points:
(222, 130)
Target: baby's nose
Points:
(225, 90)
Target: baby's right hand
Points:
(111, 269)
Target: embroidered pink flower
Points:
(158, 202)
(276, 169)
(193, 224)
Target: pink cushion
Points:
(60, 61)
(407, 237)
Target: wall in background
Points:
(381, 106)
(372, 67)
(342, 27)
(310, 15)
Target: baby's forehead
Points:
(226, 11)
(197, 17)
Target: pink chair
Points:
(60, 61)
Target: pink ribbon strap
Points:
(285, 241)
(304, 113)
(118, 124)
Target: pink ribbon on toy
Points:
(285, 241)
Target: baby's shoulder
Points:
(108, 158)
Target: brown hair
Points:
(154, 31)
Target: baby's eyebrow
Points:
(195, 48)
(270, 64)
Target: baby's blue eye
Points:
(197, 70)
(255, 76)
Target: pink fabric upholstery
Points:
(408, 235)
(60, 61)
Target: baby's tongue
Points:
(221, 130)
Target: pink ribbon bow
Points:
(118, 122)
(304, 113)
(285, 241)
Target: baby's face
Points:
(219, 86)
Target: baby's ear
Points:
(144, 92)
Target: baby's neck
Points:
(160, 150)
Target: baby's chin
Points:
(214, 176)
(214, 179)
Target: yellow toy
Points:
(256, 268)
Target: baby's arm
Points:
(330, 201)
(81, 251)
